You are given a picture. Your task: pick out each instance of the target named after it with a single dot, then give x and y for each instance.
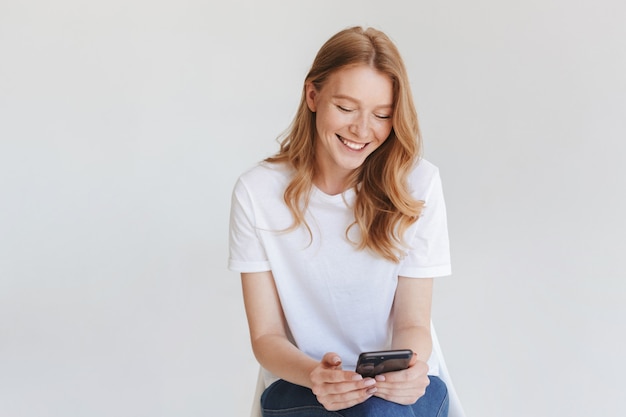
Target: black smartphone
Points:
(371, 364)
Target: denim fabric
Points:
(285, 399)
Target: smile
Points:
(352, 145)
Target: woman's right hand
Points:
(337, 389)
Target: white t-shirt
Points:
(335, 297)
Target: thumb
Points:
(413, 360)
(331, 360)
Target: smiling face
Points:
(353, 118)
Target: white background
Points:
(125, 123)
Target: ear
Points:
(310, 93)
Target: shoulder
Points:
(259, 195)
(423, 178)
(265, 174)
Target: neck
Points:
(332, 184)
(330, 189)
(331, 178)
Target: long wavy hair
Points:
(384, 207)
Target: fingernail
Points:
(336, 360)
(357, 377)
(369, 382)
(380, 378)
(371, 391)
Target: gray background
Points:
(124, 124)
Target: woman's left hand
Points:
(406, 386)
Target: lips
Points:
(352, 145)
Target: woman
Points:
(337, 238)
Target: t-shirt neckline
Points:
(342, 198)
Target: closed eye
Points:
(344, 109)
(383, 116)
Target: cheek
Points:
(383, 132)
(329, 121)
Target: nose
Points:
(360, 126)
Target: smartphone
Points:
(371, 364)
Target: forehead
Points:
(361, 83)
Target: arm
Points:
(411, 329)
(411, 309)
(268, 331)
(335, 389)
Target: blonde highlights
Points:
(384, 207)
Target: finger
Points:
(347, 387)
(400, 389)
(348, 399)
(341, 405)
(331, 360)
(400, 392)
(337, 375)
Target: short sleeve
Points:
(246, 252)
(429, 247)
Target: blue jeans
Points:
(285, 399)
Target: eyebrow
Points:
(344, 97)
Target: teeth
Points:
(352, 145)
